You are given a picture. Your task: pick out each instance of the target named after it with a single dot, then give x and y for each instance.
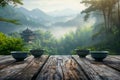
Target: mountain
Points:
(65, 12)
(40, 14)
(60, 17)
(76, 21)
(34, 19)
(23, 10)
(67, 18)
(35, 13)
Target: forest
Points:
(104, 34)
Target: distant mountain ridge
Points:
(34, 13)
(36, 18)
(65, 12)
(76, 21)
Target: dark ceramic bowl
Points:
(37, 53)
(19, 55)
(99, 55)
(82, 53)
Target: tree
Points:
(110, 32)
(8, 44)
(4, 3)
(102, 6)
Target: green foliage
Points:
(15, 35)
(44, 40)
(8, 44)
(105, 7)
(105, 35)
(111, 45)
(73, 52)
(4, 3)
(10, 21)
(82, 38)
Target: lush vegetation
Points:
(44, 40)
(109, 31)
(103, 35)
(81, 38)
(4, 3)
(8, 44)
(62, 46)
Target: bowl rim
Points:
(82, 49)
(15, 52)
(99, 52)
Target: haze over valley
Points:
(60, 26)
(57, 22)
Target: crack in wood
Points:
(60, 67)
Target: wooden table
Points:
(59, 67)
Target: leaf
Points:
(10, 21)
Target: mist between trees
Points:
(103, 35)
(83, 38)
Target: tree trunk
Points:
(119, 9)
(109, 17)
(105, 19)
(119, 12)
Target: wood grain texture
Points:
(88, 70)
(14, 68)
(60, 67)
(32, 68)
(6, 61)
(113, 62)
(105, 72)
(29, 70)
(4, 57)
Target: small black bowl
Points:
(19, 55)
(82, 53)
(37, 53)
(99, 55)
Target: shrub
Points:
(8, 44)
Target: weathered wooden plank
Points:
(61, 68)
(88, 70)
(72, 71)
(105, 72)
(14, 68)
(6, 62)
(28, 72)
(2, 57)
(112, 62)
(49, 70)
(116, 56)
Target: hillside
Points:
(35, 18)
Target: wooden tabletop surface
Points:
(59, 67)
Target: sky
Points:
(56, 6)
(53, 5)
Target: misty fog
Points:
(74, 24)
